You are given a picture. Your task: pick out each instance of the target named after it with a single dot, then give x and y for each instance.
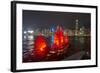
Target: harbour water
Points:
(79, 49)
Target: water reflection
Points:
(82, 40)
(80, 44)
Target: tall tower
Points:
(76, 27)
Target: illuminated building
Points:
(82, 31)
(76, 27)
(52, 30)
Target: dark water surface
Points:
(79, 49)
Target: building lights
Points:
(30, 37)
(25, 37)
(25, 32)
(30, 31)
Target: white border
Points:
(21, 66)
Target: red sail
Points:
(58, 38)
(40, 48)
(60, 41)
(66, 40)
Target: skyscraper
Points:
(76, 27)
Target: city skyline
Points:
(46, 19)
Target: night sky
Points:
(44, 19)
